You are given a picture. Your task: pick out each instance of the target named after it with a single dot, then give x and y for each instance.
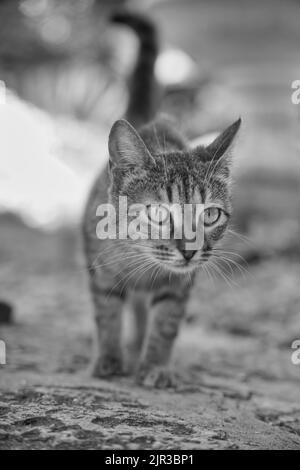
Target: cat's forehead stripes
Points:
(197, 198)
(178, 180)
(163, 195)
(171, 194)
(175, 193)
(181, 192)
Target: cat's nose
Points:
(188, 254)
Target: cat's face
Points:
(184, 197)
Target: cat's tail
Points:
(143, 88)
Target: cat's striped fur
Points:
(152, 165)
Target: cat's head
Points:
(164, 182)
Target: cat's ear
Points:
(126, 148)
(223, 142)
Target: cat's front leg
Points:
(167, 311)
(108, 311)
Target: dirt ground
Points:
(238, 388)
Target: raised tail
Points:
(143, 87)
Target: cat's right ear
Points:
(126, 148)
(222, 143)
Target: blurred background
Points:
(63, 69)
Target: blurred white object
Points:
(34, 182)
(175, 67)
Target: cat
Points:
(150, 162)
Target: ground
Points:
(238, 387)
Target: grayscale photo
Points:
(149, 227)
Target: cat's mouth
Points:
(181, 266)
(172, 262)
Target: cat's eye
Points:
(211, 215)
(158, 214)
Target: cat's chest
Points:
(148, 278)
(142, 277)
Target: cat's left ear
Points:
(126, 148)
(219, 148)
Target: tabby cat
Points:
(151, 163)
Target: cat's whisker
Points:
(229, 261)
(117, 260)
(227, 279)
(240, 259)
(242, 237)
(205, 267)
(164, 142)
(148, 266)
(163, 258)
(243, 269)
(125, 244)
(140, 270)
(134, 257)
(233, 253)
(108, 249)
(93, 266)
(154, 275)
(190, 278)
(128, 276)
(116, 255)
(227, 264)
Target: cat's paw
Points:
(107, 366)
(156, 377)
